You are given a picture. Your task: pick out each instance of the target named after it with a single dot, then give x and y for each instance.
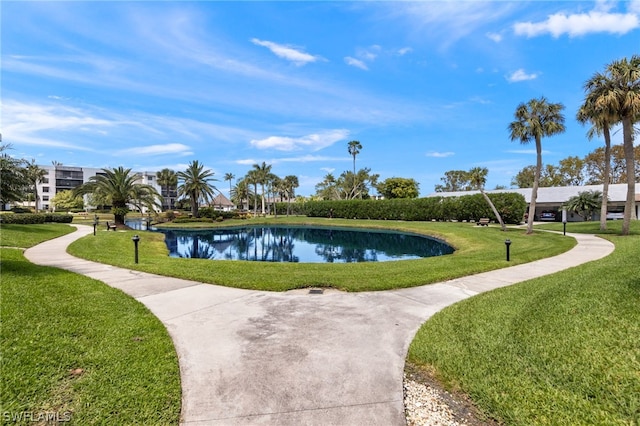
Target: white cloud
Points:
(316, 141)
(520, 75)
(289, 53)
(495, 37)
(580, 24)
(247, 162)
(634, 7)
(356, 63)
(328, 169)
(163, 149)
(436, 154)
(404, 51)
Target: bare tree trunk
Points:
(536, 183)
(629, 206)
(607, 178)
(495, 211)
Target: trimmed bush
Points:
(511, 207)
(31, 218)
(191, 219)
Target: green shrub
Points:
(192, 219)
(511, 207)
(32, 218)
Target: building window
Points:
(45, 189)
(45, 198)
(150, 178)
(45, 180)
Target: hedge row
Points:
(30, 218)
(511, 207)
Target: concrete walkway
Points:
(253, 357)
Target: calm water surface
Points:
(301, 244)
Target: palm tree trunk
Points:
(629, 206)
(607, 177)
(495, 211)
(536, 183)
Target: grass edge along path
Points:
(560, 349)
(74, 349)
(478, 249)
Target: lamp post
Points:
(507, 243)
(135, 240)
(564, 221)
(95, 223)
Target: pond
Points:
(302, 244)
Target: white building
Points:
(62, 178)
(553, 198)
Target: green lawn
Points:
(76, 348)
(478, 249)
(561, 349)
(25, 236)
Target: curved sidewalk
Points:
(253, 357)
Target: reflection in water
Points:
(301, 244)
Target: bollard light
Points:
(95, 223)
(135, 240)
(507, 243)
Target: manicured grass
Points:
(614, 227)
(25, 236)
(478, 249)
(561, 349)
(77, 349)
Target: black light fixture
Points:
(135, 240)
(507, 243)
(95, 223)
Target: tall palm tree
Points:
(168, 181)
(290, 184)
(252, 178)
(229, 177)
(602, 117)
(478, 179)
(534, 120)
(119, 188)
(262, 175)
(354, 148)
(34, 175)
(624, 99)
(196, 185)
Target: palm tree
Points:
(478, 179)
(623, 97)
(354, 148)
(585, 203)
(34, 175)
(534, 120)
(168, 181)
(196, 185)
(252, 178)
(602, 117)
(262, 175)
(229, 177)
(119, 188)
(290, 185)
(240, 192)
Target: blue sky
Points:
(425, 87)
